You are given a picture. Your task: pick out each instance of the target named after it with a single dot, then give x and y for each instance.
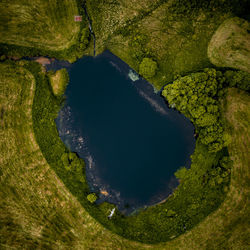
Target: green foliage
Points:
(196, 97)
(192, 7)
(170, 213)
(181, 173)
(147, 68)
(72, 162)
(45, 109)
(84, 39)
(138, 45)
(92, 197)
(238, 79)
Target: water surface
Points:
(131, 141)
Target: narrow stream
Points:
(90, 24)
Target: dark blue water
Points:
(131, 141)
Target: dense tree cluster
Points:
(196, 96)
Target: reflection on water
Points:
(132, 143)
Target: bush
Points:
(92, 197)
(147, 68)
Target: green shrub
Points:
(147, 68)
(92, 197)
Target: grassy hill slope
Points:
(230, 45)
(41, 26)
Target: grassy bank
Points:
(42, 28)
(59, 81)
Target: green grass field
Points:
(173, 33)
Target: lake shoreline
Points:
(146, 90)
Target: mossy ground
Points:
(40, 24)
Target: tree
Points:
(73, 163)
(92, 197)
(147, 68)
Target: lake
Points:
(131, 141)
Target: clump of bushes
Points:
(238, 79)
